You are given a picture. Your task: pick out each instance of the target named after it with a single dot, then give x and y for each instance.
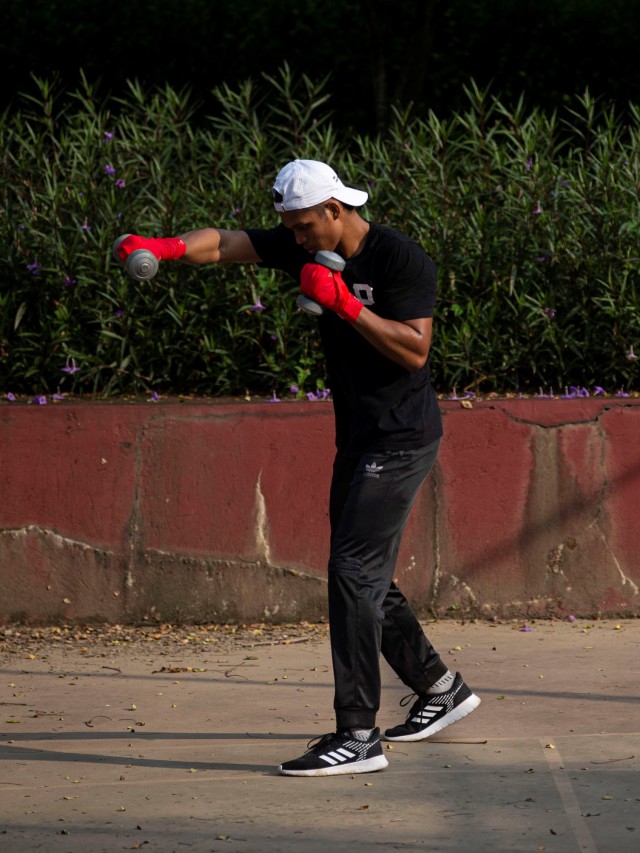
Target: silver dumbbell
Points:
(141, 264)
(332, 261)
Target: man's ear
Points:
(334, 209)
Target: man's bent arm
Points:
(406, 343)
(217, 246)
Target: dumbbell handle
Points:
(140, 265)
(332, 261)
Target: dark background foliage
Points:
(505, 136)
(378, 52)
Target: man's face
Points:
(314, 228)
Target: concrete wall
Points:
(217, 511)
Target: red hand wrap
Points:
(164, 248)
(327, 288)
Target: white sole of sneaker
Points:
(369, 765)
(463, 709)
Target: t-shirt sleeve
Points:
(410, 282)
(277, 249)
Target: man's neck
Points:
(354, 236)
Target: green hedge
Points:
(533, 220)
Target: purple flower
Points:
(575, 391)
(57, 397)
(10, 396)
(294, 389)
(85, 226)
(108, 136)
(70, 368)
(453, 395)
(120, 183)
(274, 399)
(236, 212)
(526, 628)
(258, 306)
(318, 394)
(109, 170)
(542, 259)
(538, 210)
(571, 618)
(622, 393)
(119, 313)
(40, 400)
(69, 282)
(154, 397)
(549, 313)
(598, 391)
(34, 268)
(631, 354)
(529, 164)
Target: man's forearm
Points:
(405, 343)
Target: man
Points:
(375, 329)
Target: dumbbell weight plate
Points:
(116, 243)
(141, 264)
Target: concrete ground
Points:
(168, 739)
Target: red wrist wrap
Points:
(164, 248)
(327, 288)
(170, 248)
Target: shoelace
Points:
(321, 741)
(406, 699)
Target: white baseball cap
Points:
(305, 183)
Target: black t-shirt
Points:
(378, 404)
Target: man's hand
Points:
(327, 288)
(164, 248)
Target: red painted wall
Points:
(217, 511)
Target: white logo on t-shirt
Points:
(364, 293)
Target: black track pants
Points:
(371, 497)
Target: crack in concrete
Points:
(595, 419)
(133, 532)
(58, 539)
(220, 562)
(261, 530)
(437, 559)
(625, 579)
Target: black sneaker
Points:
(431, 714)
(338, 754)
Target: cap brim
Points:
(348, 195)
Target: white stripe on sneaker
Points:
(338, 756)
(427, 713)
